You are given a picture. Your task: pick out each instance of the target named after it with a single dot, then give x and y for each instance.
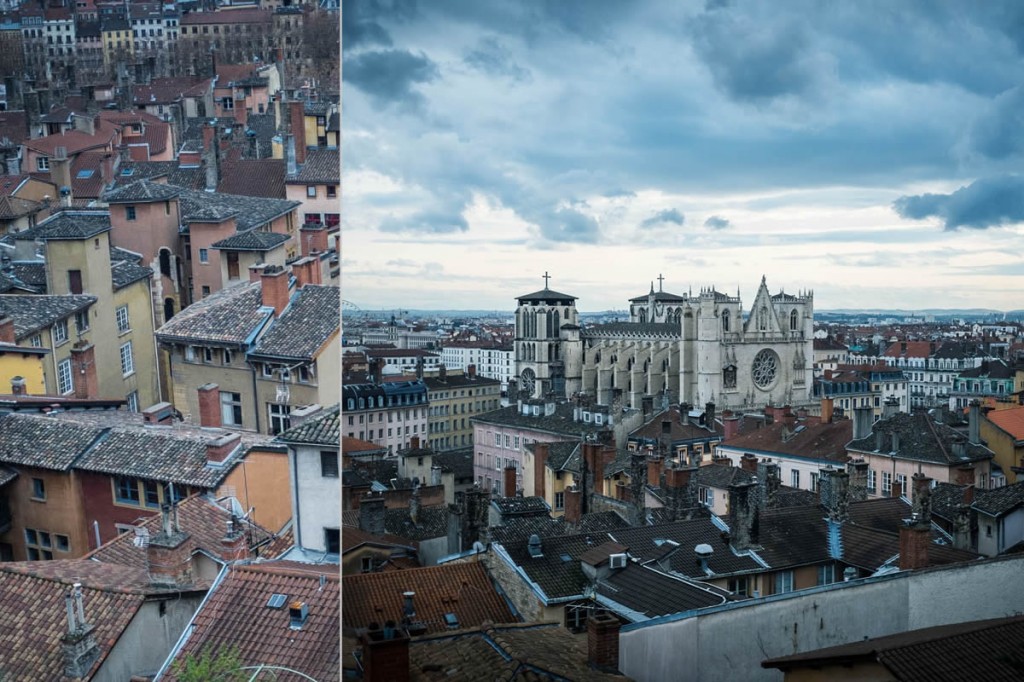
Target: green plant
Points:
(224, 665)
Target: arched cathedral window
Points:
(725, 320)
(762, 319)
(793, 320)
(643, 315)
(729, 377)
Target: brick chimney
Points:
(768, 482)
(826, 410)
(471, 371)
(17, 385)
(921, 497)
(414, 443)
(83, 366)
(158, 414)
(914, 540)
(964, 475)
(209, 134)
(654, 470)
(240, 112)
(169, 552)
(540, 460)
(60, 168)
(749, 463)
(209, 405)
(274, 287)
(234, 545)
(897, 489)
(833, 491)
(297, 113)
(573, 505)
(742, 513)
(219, 449)
(385, 654)
(314, 238)
(858, 471)
(509, 477)
(307, 271)
(7, 330)
(256, 271)
(603, 641)
(731, 423)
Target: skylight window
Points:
(125, 172)
(566, 557)
(451, 620)
(276, 601)
(84, 174)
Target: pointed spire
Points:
(652, 286)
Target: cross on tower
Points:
(660, 278)
(546, 278)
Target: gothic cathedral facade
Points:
(674, 349)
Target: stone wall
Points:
(516, 588)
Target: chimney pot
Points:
(209, 406)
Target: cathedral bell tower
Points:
(547, 332)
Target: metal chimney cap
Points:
(703, 550)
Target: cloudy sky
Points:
(869, 151)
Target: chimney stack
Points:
(573, 505)
(768, 481)
(897, 489)
(296, 110)
(858, 479)
(78, 644)
(826, 410)
(371, 514)
(314, 238)
(169, 552)
(307, 271)
(741, 515)
(509, 477)
(922, 498)
(603, 641)
(385, 654)
(833, 490)
(18, 385)
(654, 471)
(160, 414)
(83, 364)
(219, 449)
(709, 415)
(974, 423)
(209, 406)
(274, 288)
(964, 475)
(915, 537)
(731, 423)
(748, 463)
(862, 422)
(540, 461)
(233, 545)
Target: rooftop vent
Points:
(703, 552)
(298, 611)
(534, 546)
(276, 601)
(617, 561)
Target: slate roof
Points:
(188, 177)
(795, 536)
(521, 506)
(253, 240)
(204, 520)
(305, 326)
(432, 522)
(15, 207)
(141, 191)
(557, 571)
(647, 544)
(36, 441)
(73, 225)
(249, 212)
(24, 276)
(229, 316)
(459, 462)
(516, 528)
(559, 453)
(658, 296)
(560, 423)
(546, 294)
(620, 329)
(322, 166)
(977, 650)
(645, 591)
(921, 439)
(999, 501)
(464, 589)
(32, 608)
(123, 273)
(680, 428)
(435, 383)
(992, 369)
(519, 653)
(32, 313)
(320, 429)
(236, 614)
(7, 475)
(945, 500)
(168, 90)
(815, 441)
(718, 476)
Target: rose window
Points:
(765, 368)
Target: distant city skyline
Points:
(865, 152)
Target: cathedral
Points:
(688, 348)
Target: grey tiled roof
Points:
(189, 178)
(646, 543)
(557, 571)
(253, 240)
(141, 191)
(528, 506)
(659, 329)
(660, 296)
(322, 166)
(32, 313)
(322, 429)
(644, 590)
(309, 321)
(153, 456)
(998, 501)
(35, 441)
(228, 316)
(119, 254)
(123, 273)
(432, 522)
(249, 212)
(718, 476)
(7, 475)
(435, 383)
(561, 422)
(69, 225)
(920, 439)
(597, 524)
(459, 462)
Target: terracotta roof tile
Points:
(308, 323)
(1010, 420)
(228, 316)
(32, 313)
(35, 441)
(322, 166)
(816, 440)
(321, 429)
(236, 613)
(463, 589)
(253, 178)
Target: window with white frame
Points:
(902, 480)
(783, 582)
(132, 401)
(231, 408)
(123, 323)
(886, 483)
(280, 417)
(559, 500)
(497, 440)
(794, 478)
(814, 481)
(127, 360)
(872, 482)
(65, 383)
(60, 332)
(36, 341)
(707, 496)
(826, 574)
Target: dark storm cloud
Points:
(987, 202)
(388, 76)
(361, 21)
(669, 215)
(716, 223)
(494, 58)
(998, 132)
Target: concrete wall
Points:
(432, 550)
(148, 639)
(729, 643)
(319, 498)
(256, 483)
